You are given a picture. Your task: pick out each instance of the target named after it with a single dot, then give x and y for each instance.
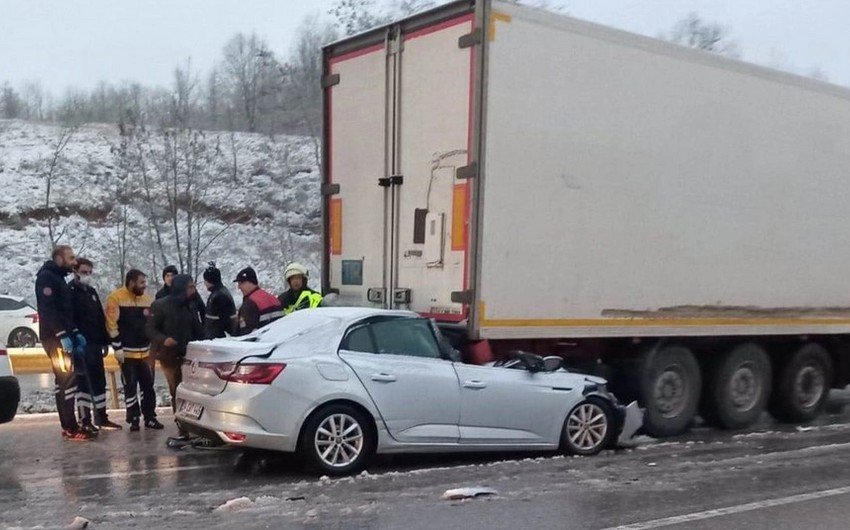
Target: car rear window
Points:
(10, 304)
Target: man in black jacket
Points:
(91, 321)
(168, 274)
(173, 324)
(59, 335)
(221, 311)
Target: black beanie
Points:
(171, 269)
(212, 274)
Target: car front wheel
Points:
(338, 440)
(589, 428)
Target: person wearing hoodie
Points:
(168, 274)
(172, 325)
(59, 336)
(221, 311)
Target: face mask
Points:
(86, 280)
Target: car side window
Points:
(405, 336)
(7, 304)
(360, 340)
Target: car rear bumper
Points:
(220, 417)
(10, 396)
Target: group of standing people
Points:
(76, 332)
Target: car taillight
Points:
(253, 373)
(235, 436)
(3, 351)
(33, 317)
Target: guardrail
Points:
(29, 361)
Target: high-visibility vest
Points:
(306, 300)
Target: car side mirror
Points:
(552, 363)
(532, 362)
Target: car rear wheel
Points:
(22, 338)
(338, 440)
(589, 428)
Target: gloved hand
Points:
(119, 356)
(80, 341)
(67, 344)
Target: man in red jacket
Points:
(259, 307)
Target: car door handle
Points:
(383, 378)
(474, 383)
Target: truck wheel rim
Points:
(671, 391)
(339, 440)
(809, 386)
(745, 387)
(587, 426)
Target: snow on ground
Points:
(273, 204)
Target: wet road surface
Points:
(772, 476)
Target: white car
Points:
(340, 384)
(18, 322)
(10, 391)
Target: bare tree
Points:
(51, 173)
(694, 32)
(248, 62)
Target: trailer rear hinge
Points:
(471, 39)
(467, 172)
(330, 189)
(330, 80)
(394, 180)
(462, 297)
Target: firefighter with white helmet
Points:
(298, 296)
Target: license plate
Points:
(188, 408)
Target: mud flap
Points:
(631, 423)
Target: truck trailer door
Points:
(399, 119)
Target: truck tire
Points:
(670, 390)
(737, 387)
(802, 385)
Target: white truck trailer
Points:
(678, 219)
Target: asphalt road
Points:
(772, 476)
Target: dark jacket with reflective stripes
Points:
(258, 309)
(88, 313)
(221, 313)
(53, 298)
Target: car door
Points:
(510, 406)
(399, 363)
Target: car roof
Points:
(353, 314)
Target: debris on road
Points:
(79, 523)
(467, 493)
(234, 505)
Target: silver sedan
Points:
(341, 384)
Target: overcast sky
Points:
(80, 42)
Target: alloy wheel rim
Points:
(587, 426)
(339, 440)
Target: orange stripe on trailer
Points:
(460, 216)
(653, 322)
(335, 220)
(494, 16)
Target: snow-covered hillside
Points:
(268, 208)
